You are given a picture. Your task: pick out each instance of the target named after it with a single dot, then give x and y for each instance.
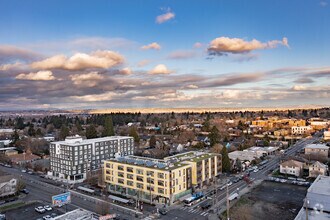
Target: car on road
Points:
(53, 214)
(8, 165)
(255, 170)
(235, 179)
(25, 191)
(47, 217)
(48, 208)
(23, 171)
(206, 205)
(11, 199)
(163, 211)
(30, 172)
(40, 209)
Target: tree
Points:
(31, 130)
(214, 136)
(20, 184)
(217, 148)
(14, 137)
(91, 132)
(238, 164)
(225, 160)
(64, 132)
(108, 127)
(133, 133)
(152, 141)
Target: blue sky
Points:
(291, 37)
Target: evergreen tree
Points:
(14, 138)
(152, 141)
(108, 127)
(214, 136)
(31, 130)
(133, 133)
(225, 160)
(64, 132)
(91, 132)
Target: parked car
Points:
(163, 211)
(48, 208)
(53, 214)
(30, 172)
(2, 216)
(25, 191)
(40, 209)
(206, 205)
(255, 170)
(47, 217)
(11, 199)
(23, 171)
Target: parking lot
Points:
(28, 212)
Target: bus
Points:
(193, 199)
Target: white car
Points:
(47, 217)
(256, 170)
(23, 171)
(229, 183)
(48, 208)
(40, 209)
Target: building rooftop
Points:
(321, 186)
(317, 146)
(77, 214)
(77, 140)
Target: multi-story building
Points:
(301, 130)
(74, 157)
(292, 167)
(326, 135)
(8, 184)
(318, 168)
(318, 152)
(160, 181)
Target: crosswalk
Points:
(194, 211)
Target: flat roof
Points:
(77, 214)
(317, 146)
(89, 141)
(321, 186)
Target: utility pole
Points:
(227, 201)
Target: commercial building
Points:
(243, 155)
(8, 185)
(317, 203)
(73, 158)
(160, 181)
(299, 130)
(326, 135)
(263, 151)
(318, 152)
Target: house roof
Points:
(292, 163)
(319, 164)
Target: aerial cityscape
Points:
(163, 109)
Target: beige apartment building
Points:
(318, 152)
(160, 181)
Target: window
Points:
(139, 171)
(160, 190)
(129, 169)
(160, 183)
(139, 178)
(130, 183)
(120, 167)
(121, 181)
(161, 175)
(139, 185)
(130, 176)
(150, 173)
(120, 174)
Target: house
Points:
(8, 184)
(318, 152)
(326, 135)
(292, 167)
(281, 132)
(318, 168)
(319, 124)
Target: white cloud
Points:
(225, 45)
(160, 69)
(192, 86)
(143, 63)
(10, 66)
(154, 46)
(198, 45)
(79, 61)
(89, 79)
(40, 75)
(126, 71)
(165, 17)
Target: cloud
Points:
(143, 63)
(10, 66)
(40, 75)
(154, 46)
(126, 71)
(191, 86)
(89, 79)
(224, 45)
(245, 57)
(165, 17)
(304, 80)
(198, 45)
(160, 69)
(79, 61)
(181, 54)
(13, 53)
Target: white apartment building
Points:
(292, 167)
(74, 157)
(301, 130)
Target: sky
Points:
(60, 54)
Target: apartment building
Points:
(160, 181)
(292, 167)
(318, 152)
(74, 157)
(317, 168)
(299, 130)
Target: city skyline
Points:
(164, 54)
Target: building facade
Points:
(8, 185)
(292, 167)
(298, 130)
(160, 181)
(318, 152)
(318, 168)
(73, 158)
